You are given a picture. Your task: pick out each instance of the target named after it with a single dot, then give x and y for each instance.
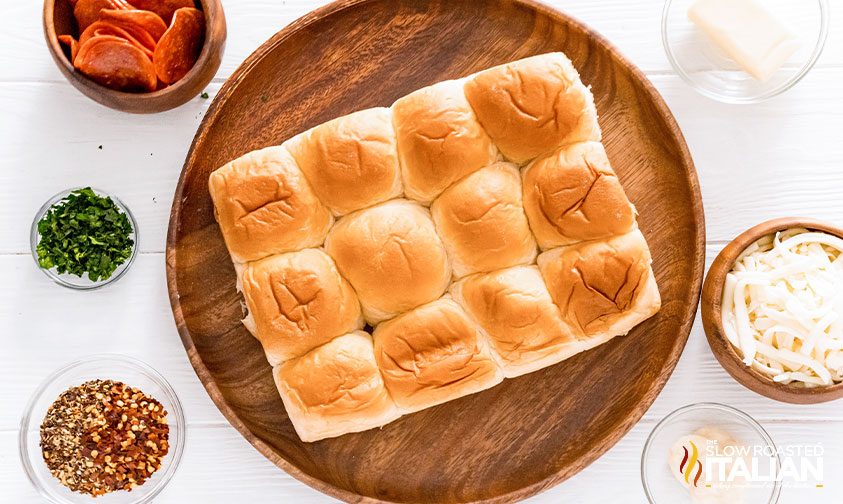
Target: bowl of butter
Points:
(744, 51)
(709, 453)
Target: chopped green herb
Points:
(84, 233)
(204, 95)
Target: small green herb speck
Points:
(84, 233)
(204, 96)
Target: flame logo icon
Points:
(690, 461)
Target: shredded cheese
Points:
(782, 306)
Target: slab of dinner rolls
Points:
(352, 161)
(335, 389)
(531, 106)
(433, 354)
(514, 308)
(482, 222)
(510, 163)
(439, 139)
(392, 256)
(297, 301)
(264, 205)
(573, 195)
(602, 287)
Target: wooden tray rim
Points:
(213, 390)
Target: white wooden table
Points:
(782, 157)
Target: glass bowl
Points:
(660, 485)
(708, 70)
(106, 366)
(83, 282)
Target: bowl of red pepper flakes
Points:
(106, 426)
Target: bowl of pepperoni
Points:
(140, 56)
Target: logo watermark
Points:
(691, 464)
(737, 465)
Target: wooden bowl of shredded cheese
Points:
(772, 309)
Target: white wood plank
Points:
(44, 153)
(43, 326)
(220, 467)
(634, 26)
(615, 477)
(786, 151)
(773, 159)
(778, 158)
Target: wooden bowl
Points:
(712, 298)
(59, 20)
(507, 442)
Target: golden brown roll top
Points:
(352, 161)
(573, 195)
(531, 106)
(297, 301)
(515, 310)
(433, 354)
(335, 389)
(392, 256)
(481, 221)
(602, 287)
(439, 139)
(264, 205)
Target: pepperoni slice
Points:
(88, 11)
(69, 41)
(116, 63)
(179, 47)
(137, 36)
(164, 8)
(148, 21)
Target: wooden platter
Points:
(526, 434)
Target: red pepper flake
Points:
(104, 436)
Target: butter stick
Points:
(758, 42)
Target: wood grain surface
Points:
(58, 20)
(519, 437)
(712, 316)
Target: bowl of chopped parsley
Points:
(84, 238)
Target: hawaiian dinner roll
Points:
(264, 205)
(573, 195)
(433, 354)
(439, 139)
(297, 301)
(602, 287)
(543, 249)
(482, 222)
(515, 310)
(392, 256)
(352, 161)
(335, 389)
(531, 106)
